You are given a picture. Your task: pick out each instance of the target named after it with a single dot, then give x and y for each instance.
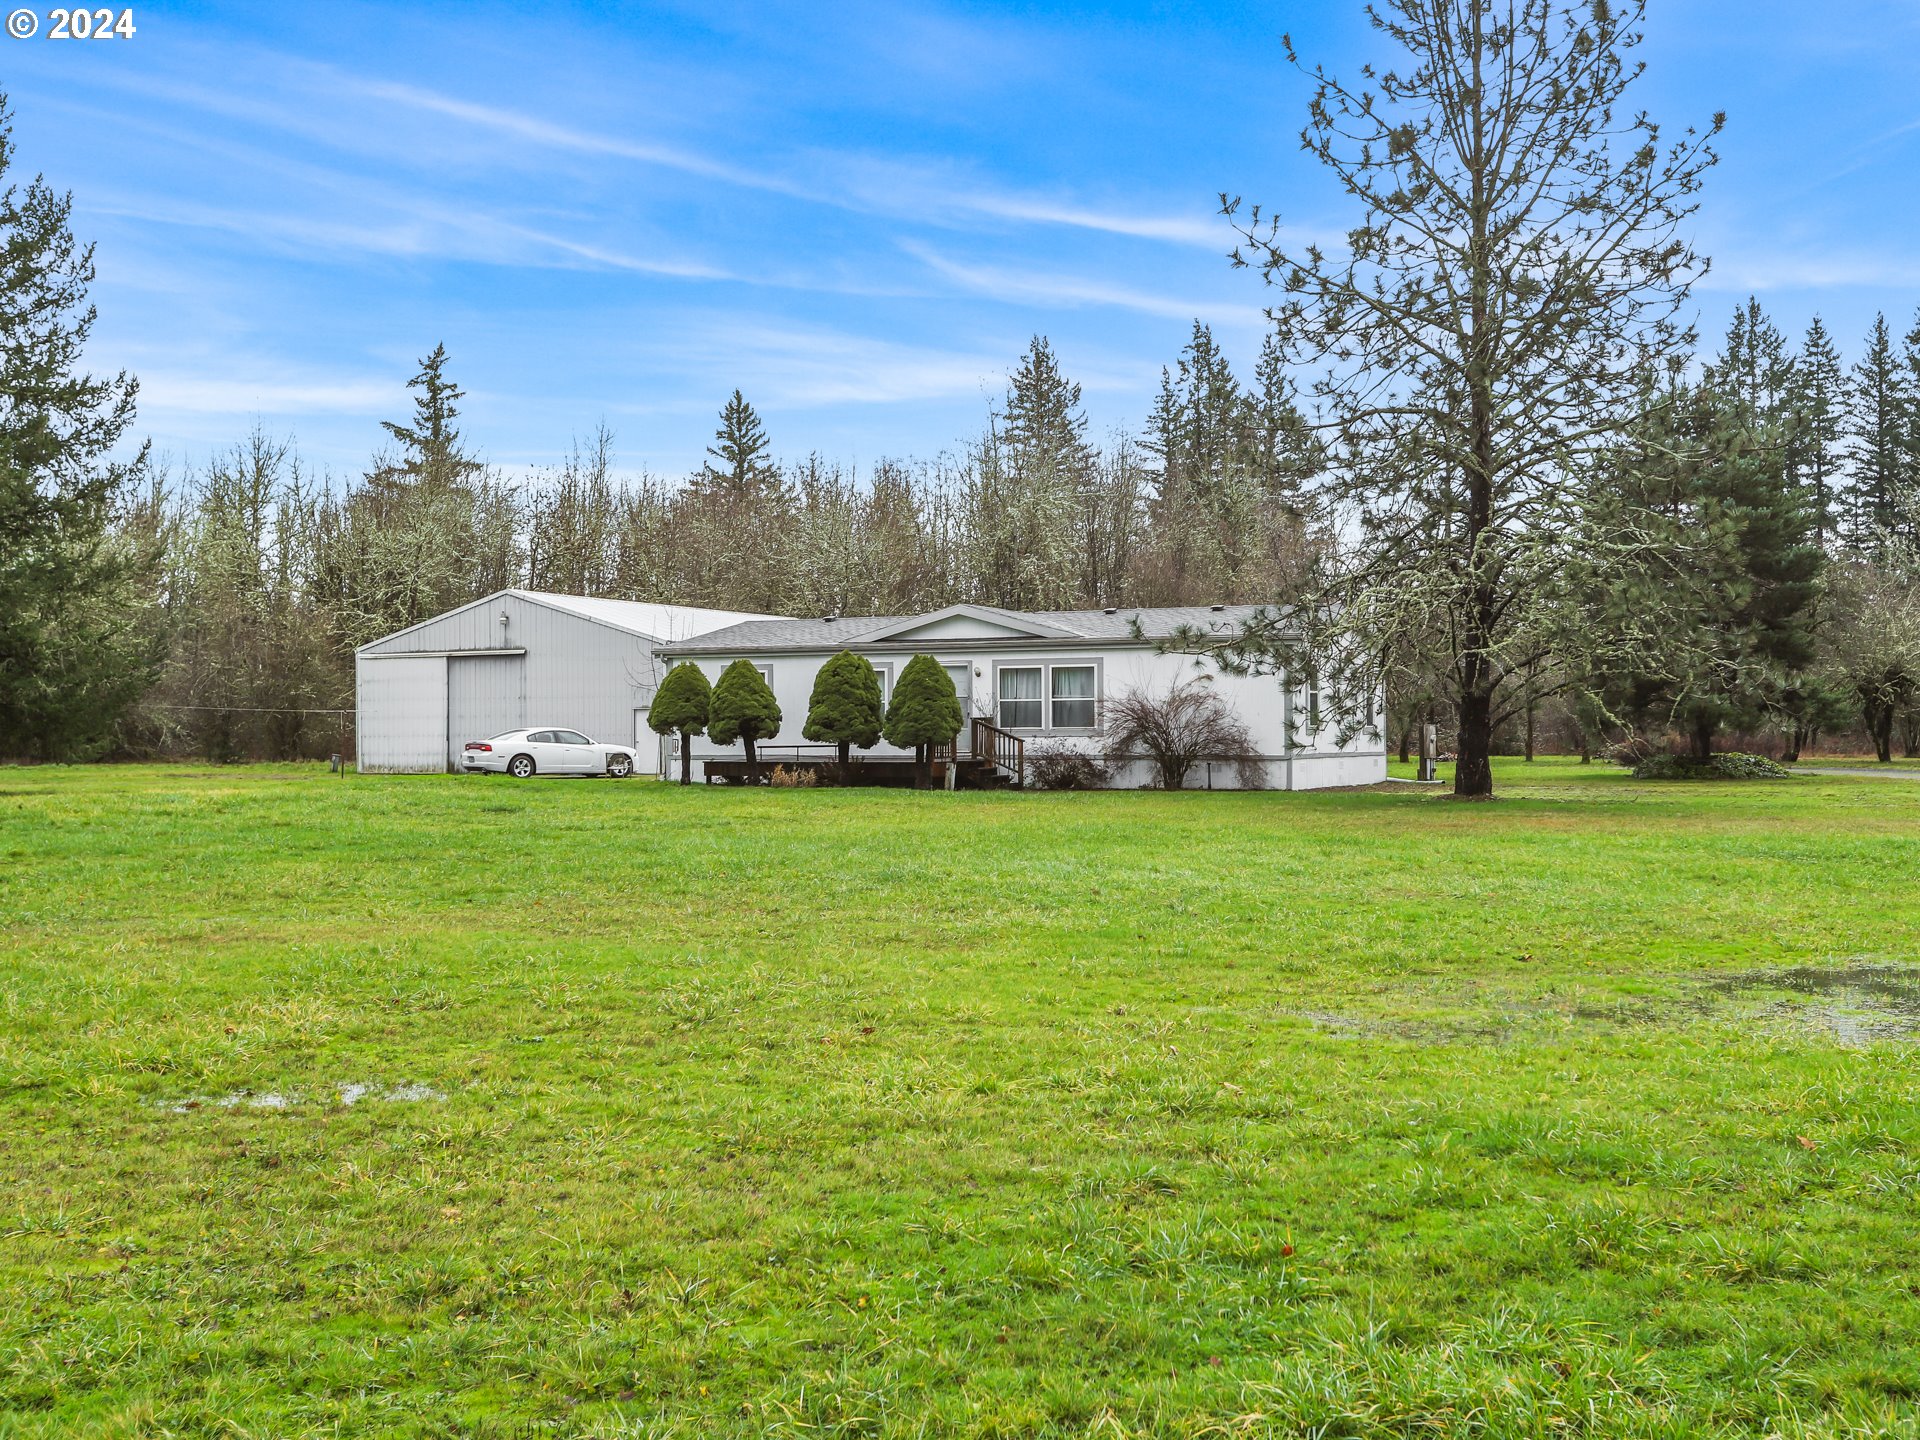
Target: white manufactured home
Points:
(1045, 678)
(517, 658)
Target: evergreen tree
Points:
(1025, 483)
(1228, 502)
(741, 447)
(73, 653)
(425, 531)
(681, 706)
(1754, 370)
(844, 708)
(1510, 274)
(1044, 430)
(1818, 399)
(1282, 452)
(1705, 479)
(1876, 432)
(430, 455)
(925, 712)
(1903, 525)
(744, 709)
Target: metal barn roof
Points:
(665, 624)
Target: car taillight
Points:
(476, 745)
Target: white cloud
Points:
(1809, 269)
(537, 131)
(802, 368)
(848, 181)
(1029, 287)
(418, 230)
(250, 392)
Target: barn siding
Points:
(576, 673)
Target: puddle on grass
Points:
(1855, 1004)
(344, 1093)
(1425, 1033)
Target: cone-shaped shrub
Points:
(743, 709)
(680, 705)
(845, 707)
(925, 710)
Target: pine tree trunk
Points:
(1473, 766)
(1406, 742)
(1883, 733)
(1473, 769)
(1530, 731)
(686, 758)
(1797, 740)
(753, 766)
(846, 759)
(1703, 740)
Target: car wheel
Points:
(619, 767)
(520, 767)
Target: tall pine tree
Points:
(1818, 397)
(744, 471)
(431, 455)
(72, 652)
(1876, 442)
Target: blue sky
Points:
(857, 213)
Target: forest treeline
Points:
(267, 575)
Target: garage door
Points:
(486, 694)
(402, 724)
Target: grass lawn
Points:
(434, 1106)
(1859, 762)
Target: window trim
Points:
(1046, 666)
(999, 699)
(1054, 727)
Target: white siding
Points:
(401, 723)
(1262, 703)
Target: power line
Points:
(254, 709)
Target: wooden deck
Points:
(993, 758)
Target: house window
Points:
(1073, 699)
(766, 674)
(1020, 698)
(1313, 708)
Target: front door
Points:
(963, 687)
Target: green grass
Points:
(1859, 762)
(881, 1113)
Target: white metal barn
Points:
(513, 659)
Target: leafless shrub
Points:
(783, 778)
(1178, 729)
(1060, 767)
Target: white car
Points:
(522, 753)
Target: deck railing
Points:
(1005, 749)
